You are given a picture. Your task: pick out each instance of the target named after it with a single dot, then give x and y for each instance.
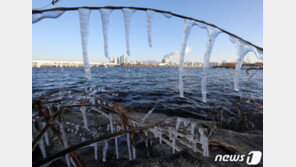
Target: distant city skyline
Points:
(59, 39)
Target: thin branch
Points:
(145, 9)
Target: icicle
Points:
(167, 15)
(134, 152)
(147, 115)
(45, 134)
(77, 127)
(212, 35)
(42, 147)
(66, 144)
(128, 146)
(204, 142)
(150, 14)
(127, 13)
(187, 30)
(242, 49)
(194, 146)
(48, 14)
(192, 128)
(84, 24)
(95, 145)
(105, 16)
(170, 133)
(160, 137)
(146, 143)
(83, 112)
(105, 150)
(174, 144)
(112, 131)
(178, 123)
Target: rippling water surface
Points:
(141, 88)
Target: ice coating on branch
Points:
(150, 14)
(84, 25)
(46, 138)
(105, 16)
(212, 35)
(204, 142)
(83, 112)
(127, 14)
(106, 145)
(187, 30)
(47, 14)
(129, 146)
(242, 49)
(167, 15)
(134, 152)
(42, 147)
(147, 115)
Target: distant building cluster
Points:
(122, 61)
(118, 60)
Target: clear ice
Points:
(129, 146)
(105, 16)
(106, 145)
(167, 15)
(83, 112)
(187, 30)
(204, 142)
(212, 35)
(42, 147)
(46, 138)
(84, 25)
(150, 14)
(134, 152)
(66, 144)
(127, 14)
(242, 49)
(47, 14)
(147, 115)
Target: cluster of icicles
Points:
(158, 132)
(242, 47)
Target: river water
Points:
(142, 88)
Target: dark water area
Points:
(142, 88)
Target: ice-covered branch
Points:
(167, 13)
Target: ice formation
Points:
(46, 138)
(150, 14)
(116, 140)
(212, 35)
(192, 128)
(47, 14)
(105, 16)
(84, 25)
(127, 14)
(187, 30)
(204, 142)
(147, 115)
(167, 15)
(95, 145)
(106, 145)
(129, 146)
(42, 147)
(134, 151)
(83, 112)
(66, 144)
(242, 49)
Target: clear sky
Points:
(59, 39)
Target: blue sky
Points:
(59, 39)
